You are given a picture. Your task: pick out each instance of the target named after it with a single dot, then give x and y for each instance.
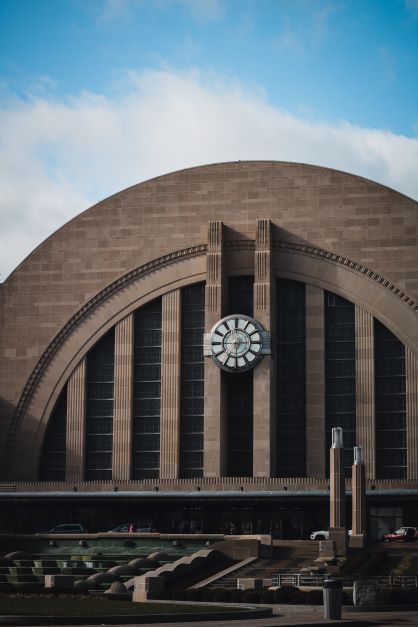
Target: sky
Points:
(97, 95)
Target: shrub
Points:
(207, 594)
(30, 587)
(291, 591)
(399, 596)
(374, 564)
(404, 565)
(236, 595)
(281, 595)
(179, 595)
(221, 595)
(297, 597)
(195, 594)
(267, 596)
(251, 596)
(353, 564)
(313, 597)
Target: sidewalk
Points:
(296, 619)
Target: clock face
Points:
(237, 343)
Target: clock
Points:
(237, 343)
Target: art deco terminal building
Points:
(180, 352)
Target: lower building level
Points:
(285, 512)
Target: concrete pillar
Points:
(358, 486)
(214, 457)
(170, 385)
(337, 528)
(412, 414)
(76, 423)
(264, 418)
(365, 398)
(315, 382)
(122, 422)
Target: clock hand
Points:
(228, 352)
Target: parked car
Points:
(137, 528)
(68, 528)
(403, 534)
(324, 534)
(319, 535)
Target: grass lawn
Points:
(72, 605)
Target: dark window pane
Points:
(291, 378)
(239, 388)
(241, 295)
(147, 391)
(53, 458)
(390, 398)
(191, 380)
(99, 409)
(340, 394)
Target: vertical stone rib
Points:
(412, 414)
(214, 456)
(365, 405)
(315, 382)
(122, 424)
(264, 422)
(337, 488)
(170, 385)
(358, 487)
(76, 421)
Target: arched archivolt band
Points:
(318, 267)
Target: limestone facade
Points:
(329, 230)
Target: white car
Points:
(319, 535)
(324, 535)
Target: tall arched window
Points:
(53, 457)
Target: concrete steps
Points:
(288, 557)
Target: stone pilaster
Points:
(337, 488)
(122, 423)
(337, 528)
(170, 385)
(365, 403)
(264, 423)
(214, 459)
(315, 382)
(412, 414)
(358, 512)
(76, 423)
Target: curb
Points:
(117, 619)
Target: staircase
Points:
(289, 556)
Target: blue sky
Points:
(96, 95)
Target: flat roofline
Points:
(221, 494)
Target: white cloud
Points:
(205, 10)
(59, 157)
(200, 10)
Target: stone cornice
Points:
(349, 263)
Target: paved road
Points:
(349, 619)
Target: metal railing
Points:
(317, 580)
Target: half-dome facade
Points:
(184, 348)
